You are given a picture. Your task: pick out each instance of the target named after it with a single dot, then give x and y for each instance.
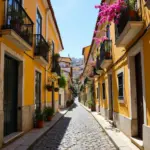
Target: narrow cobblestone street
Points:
(78, 130)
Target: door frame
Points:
(110, 96)
(4, 50)
(138, 48)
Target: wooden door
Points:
(38, 90)
(110, 97)
(139, 90)
(10, 95)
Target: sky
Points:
(76, 20)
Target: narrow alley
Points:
(78, 130)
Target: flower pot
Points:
(40, 124)
(56, 89)
(49, 118)
(107, 55)
(132, 14)
(49, 89)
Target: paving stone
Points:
(77, 130)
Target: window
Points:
(97, 93)
(53, 48)
(38, 23)
(59, 99)
(103, 87)
(99, 90)
(108, 32)
(20, 1)
(120, 86)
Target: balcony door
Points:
(139, 89)
(38, 23)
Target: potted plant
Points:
(48, 113)
(132, 12)
(90, 103)
(39, 119)
(62, 82)
(49, 87)
(56, 89)
(69, 103)
(107, 55)
(56, 56)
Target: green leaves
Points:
(62, 82)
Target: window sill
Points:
(121, 101)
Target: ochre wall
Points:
(30, 64)
(86, 52)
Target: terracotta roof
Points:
(65, 59)
(54, 18)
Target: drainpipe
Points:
(53, 97)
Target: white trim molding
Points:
(38, 70)
(138, 48)
(118, 72)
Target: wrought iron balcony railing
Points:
(55, 66)
(105, 51)
(18, 20)
(41, 47)
(129, 13)
(57, 69)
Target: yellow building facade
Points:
(122, 74)
(29, 37)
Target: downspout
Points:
(46, 35)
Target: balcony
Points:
(18, 26)
(41, 50)
(98, 70)
(56, 67)
(106, 54)
(129, 25)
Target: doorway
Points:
(38, 90)
(139, 94)
(10, 95)
(110, 97)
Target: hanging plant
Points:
(56, 89)
(62, 82)
(56, 56)
(49, 87)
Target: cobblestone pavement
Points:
(78, 130)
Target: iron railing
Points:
(128, 13)
(18, 20)
(55, 66)
(41, 47)
(105, 52)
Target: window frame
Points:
(120, 97)
(97, 93)
(38, 23)
(104, 90)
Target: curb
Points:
(101, 126)
(31, 146)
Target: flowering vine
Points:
(107, 14)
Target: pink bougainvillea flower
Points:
(107, 14)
